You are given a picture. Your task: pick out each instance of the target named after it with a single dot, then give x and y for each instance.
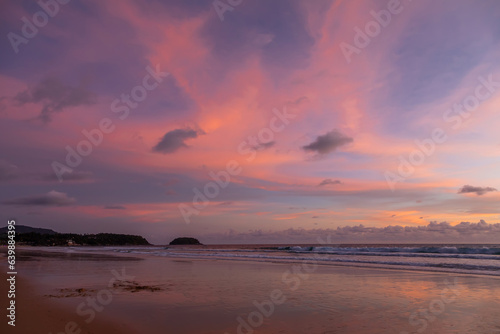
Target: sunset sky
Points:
(318, 116)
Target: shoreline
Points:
(80, 251)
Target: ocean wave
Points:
(296, 255)
(492, 269)
(404, 250)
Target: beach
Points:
(140, 293)
(36, 313)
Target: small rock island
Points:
(185, 241)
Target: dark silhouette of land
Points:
(26, 235)
(185, 241)
(27, 229)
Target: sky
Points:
(238, 121)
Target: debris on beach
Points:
(133, 286)
(70, 292)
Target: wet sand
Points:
(188, 296)
(36, 313)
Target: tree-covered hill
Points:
(65, 239)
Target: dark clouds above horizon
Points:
(433, 232)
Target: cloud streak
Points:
(52, 198)
(55, 97)
(467, 189)
(327, 182)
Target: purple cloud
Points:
(467, 189)
(55, 96)
(328, 142)
(52, 198)
(174, 140)
(327, 182)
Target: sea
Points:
(458, 258)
